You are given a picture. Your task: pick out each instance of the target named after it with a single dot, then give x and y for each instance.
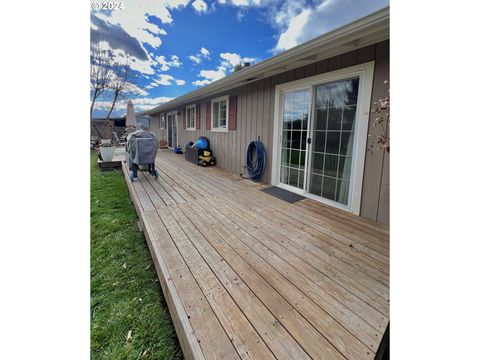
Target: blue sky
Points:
(175, 46)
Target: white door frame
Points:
(365, 73)
(175, 118)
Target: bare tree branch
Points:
(122, 79)
(100, 73)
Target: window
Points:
(143, 122)
(220, 114)
(191, 116)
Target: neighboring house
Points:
(103, 128)
(310, 106)
(144, 121)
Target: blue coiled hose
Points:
(257, 167)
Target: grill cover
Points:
(141, 148)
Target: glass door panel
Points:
(296, 106)
(171, 130)
(332, 135)
(174, 131)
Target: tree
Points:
(100, 73)
(122, 80)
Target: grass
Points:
(129, 317)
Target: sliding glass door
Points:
(172, 129)
(296, 106)
(332, 138)
(317, 139)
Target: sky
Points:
(176, 46)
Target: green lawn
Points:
(129, 317)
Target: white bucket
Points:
(107, 152)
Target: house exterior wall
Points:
(155, 126)
(255, 119)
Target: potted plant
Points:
(106, 151)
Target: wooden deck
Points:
(249, 276)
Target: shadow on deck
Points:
(249, 276)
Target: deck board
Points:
(249, 276)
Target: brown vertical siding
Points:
(335, 63)
(268, 104)
(375, 202)
(350, 59)
(155, 126)
(322, 66)
(310, 70)
(374, 178)
(255, 117)
(366, 54)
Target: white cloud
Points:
(245, 3)
(164, 79)
(289, 38)
(148, 103)
(204, 52)
(201, 82)
(165, 64)
(249, 59)
(240, 15)
(105, 105)
(134, 89)
(200, 5)
(213, 74)
(175, 61)
(210, 76)
(230, 60)
(134, 20)
(227, 63)
(144, 31)
(121, 57)
(299, 23)
(195, 59)
(138, 104)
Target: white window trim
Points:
(163, 122)
(218, 99)
(365, 72)
(194, 128)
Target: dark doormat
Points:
(282, 194)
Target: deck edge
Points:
(188, 342)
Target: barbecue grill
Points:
(140, 153)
